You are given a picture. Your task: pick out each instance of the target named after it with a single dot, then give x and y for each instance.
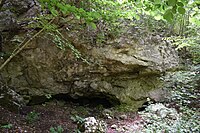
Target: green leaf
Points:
(137, 17)
(147, 9)
(180, 4)
(73, 9)
(185, 1)
(168, 16)
(54, 11)
(54, 1)
(181, 10)
(93, 25)
(158, 17)
(81, 10)
(95, 15)
(174, 9)
(158, 6)
(157, 1)
(172, 2)
(8, 126)
(195, 21)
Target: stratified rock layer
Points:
(125, 69)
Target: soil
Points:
(40, 118)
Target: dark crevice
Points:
(91, 101)
(36, 100)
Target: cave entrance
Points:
(90, 101)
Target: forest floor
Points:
(51, 116)
(40, 118)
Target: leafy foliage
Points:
(103, 17)
(111, 13)
(32, 117)
(91, 11)
(57, 129)
(187, 122)
(184, 90)
(77, 119)
(184, 87)
(7, 126)
(192, 45)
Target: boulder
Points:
(92, 125)
(123, 70)
(127, 75)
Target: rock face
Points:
(124, 70)
(10, 99)
(11, 12)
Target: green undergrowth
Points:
(184, 89)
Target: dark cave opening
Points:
(90, 101)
